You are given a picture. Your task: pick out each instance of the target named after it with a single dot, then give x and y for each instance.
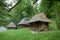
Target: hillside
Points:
(25, 34)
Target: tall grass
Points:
(25, 34)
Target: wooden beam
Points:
(35, 1)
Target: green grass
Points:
(25, 34)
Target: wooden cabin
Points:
(11, 25)
(23, 23)
(39, 22)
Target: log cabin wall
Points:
(43, 26)
(23, 26)
(32, 26)
(47, 27)
(11, 27)
(39, 26)
(20, 26)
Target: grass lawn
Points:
(25, 34)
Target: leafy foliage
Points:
(52, 10)
(57, 12)
(47, 7)
(3, 13)
(23, 9)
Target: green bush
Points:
(52, 25)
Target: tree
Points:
(21, 10)
(52, 9)
(46, 6)
(57, 13)
(3, 13)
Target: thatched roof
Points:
(11, 24)
(24, 21)
(39, 17)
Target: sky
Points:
(37, 4)
(39, 1)
(13, 2)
